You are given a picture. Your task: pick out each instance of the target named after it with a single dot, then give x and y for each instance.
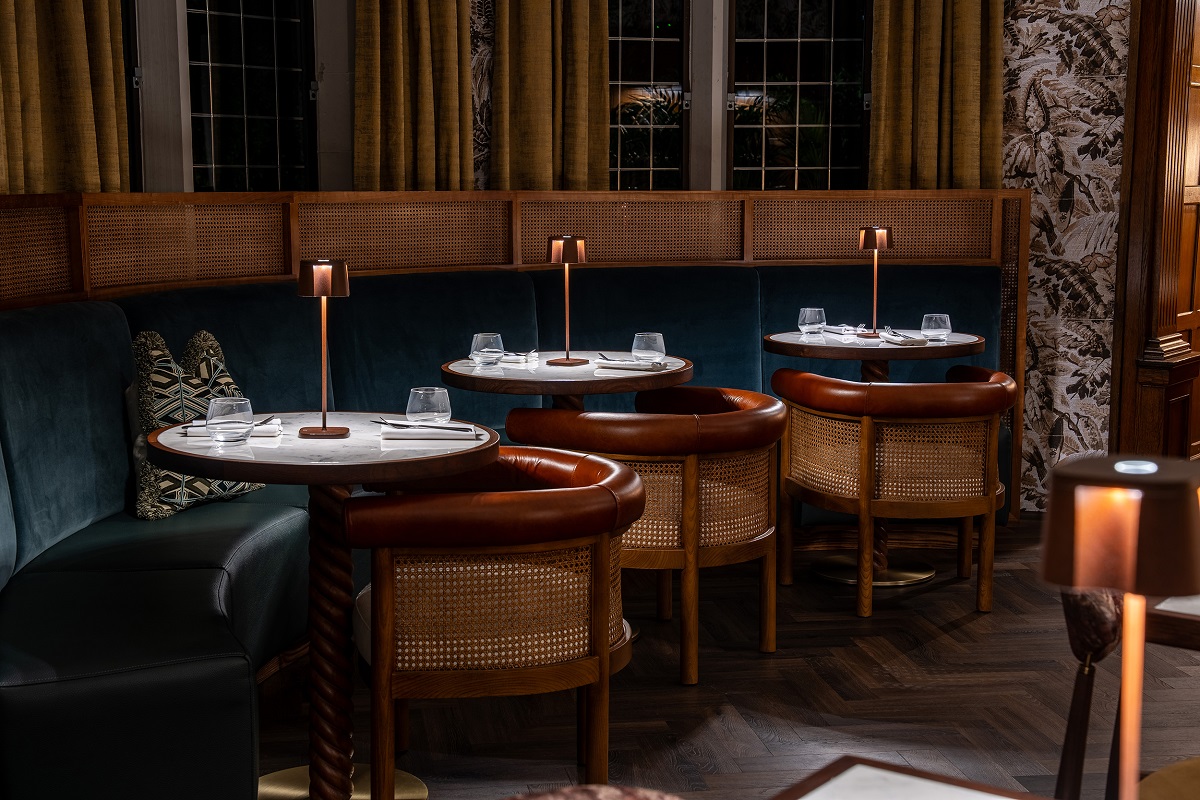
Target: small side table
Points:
(329, 467)
(876, 355)
(567, 385)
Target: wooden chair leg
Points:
(966, 545)
(689, 625)
(383, 753)
(866, 563)
(400, 710)
(596, 762)
(665, 599)
(987, 560)
(766, 603)
(1074, 749)
(783, 538)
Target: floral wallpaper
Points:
(483, 31)
(1066, 63)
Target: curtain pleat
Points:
(412, 95)
(62, 110)
(550, 95)
(936, 94)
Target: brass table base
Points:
(900, 571)
(292, 784)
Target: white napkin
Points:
(640, 366)
(892, 338)
(274, 427)
(427, 430)
(841, 330)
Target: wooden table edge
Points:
(849, 352)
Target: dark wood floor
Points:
(927, 681)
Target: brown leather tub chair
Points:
(707, 458)
(501, 581)
(897, 450)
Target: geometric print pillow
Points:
(171, 392)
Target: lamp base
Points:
(567, 362)
(868, 334)
(324, 433)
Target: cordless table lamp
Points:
(567, 250)
(1130, 524)
(874, 238)
(324, 278)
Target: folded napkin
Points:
(892, 338)
(640, 366)
(841, 330)
(427, 430)
(272, 427)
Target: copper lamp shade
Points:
(567, 250)
(1133, 524)
(875, 238)
(325, 277)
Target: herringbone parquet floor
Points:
(927, 681)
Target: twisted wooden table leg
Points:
(330, 600)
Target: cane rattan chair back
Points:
(898, 450)
(707, 458)
(503, 581)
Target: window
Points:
(253, 118)
(647, 74)
(798, 71)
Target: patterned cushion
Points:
(169, 393)
(595, 792)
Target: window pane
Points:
(668, 62)
(812, 104)
(847, 103)
(780, 146)
(229, 141)
(814, 62)
(635, 61)
(748, 62)
(812, 147)
(748, 106)
(668, 148)
(847, 62)
(779, 179)
(636, 18)
(635, 147)
(635, 179)
(288, 43)
(748, 23)
(261, 148)
(260, 42)
(783, 18)
(847, 149)
(747, 179)
(230, 179)
(668, 18)
(227, 91)
(781, 61)
(667, 179)
(197, 25)
(814, 22)
(202, 152)
(202, 179)
(747, 147)
(198, 83)
(848, 19)
(264, 180)
(225, 39)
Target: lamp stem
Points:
(567, 307)
(324, 366)
(1133, 661)
(875, 291)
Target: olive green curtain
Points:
(937, 99)
(550, 95)
(62, 97)
(412, 95)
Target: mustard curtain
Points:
(936, 94)
(550, 95)
(412, 95)
(62, 97)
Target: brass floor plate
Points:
(292, 784)
(900, 571)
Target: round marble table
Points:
(567, 385)
(875, 354)
(329, 467)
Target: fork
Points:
(406, 425)
(605, 358)
(888, 329)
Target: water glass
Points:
(428, 404)
(648, 347)
(936, 327)
(486, 349)
(229, 419)
(812, 320)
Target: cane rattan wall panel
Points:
(826, 229)
(153, 244)
(408, 234)
(34, 239)
(636, 230)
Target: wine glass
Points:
(428, 404)
(229, 419)
(936, 327)
(648, 347)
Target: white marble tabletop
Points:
(541, 371)
(865, 782)
(853, 340)
(364, 456)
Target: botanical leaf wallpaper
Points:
(1066, 63)
(483, 31)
